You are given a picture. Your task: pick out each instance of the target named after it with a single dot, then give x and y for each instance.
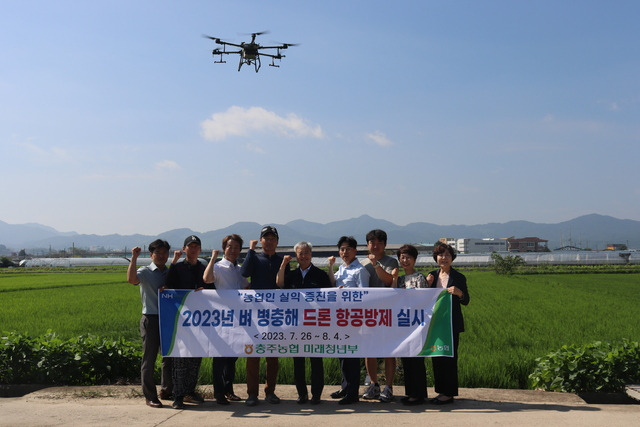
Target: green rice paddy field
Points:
(510, 321)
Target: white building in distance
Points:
(476, 246)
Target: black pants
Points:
(224, 372)
(445, 371)
(150, 333)
(415, 377)
(185, 375)
(317, 376)
(350, 367)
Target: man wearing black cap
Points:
(262, 268)
(186, 274)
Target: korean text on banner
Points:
(329, 322)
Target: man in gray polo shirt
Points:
(381, 268)
(151, 278)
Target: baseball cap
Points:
(268, 229)
(192, 239)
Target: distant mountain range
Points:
(592, 231)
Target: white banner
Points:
(328, 322)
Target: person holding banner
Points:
(445, 369)
(225, 274)
(351, 274)
(262, 268)
(151, 278)
(380, 267)
(415, 372)
(306, 276)
(186, 274)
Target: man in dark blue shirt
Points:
(262, 268)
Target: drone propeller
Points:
(259, 33)
(286, 45)
(215, 39)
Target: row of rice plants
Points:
(109, 310)
(509, 323)
(513, 320)
(23, 280)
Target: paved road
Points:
(123, 406)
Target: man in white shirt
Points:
(226, 275)
(351, 274)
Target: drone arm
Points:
(227, 43)
(278, 56)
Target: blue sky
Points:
(115, 119)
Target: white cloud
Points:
(48, 154)
(255, 148)
(380, 139)
(611, 105)
(169, 165)
(551, 123)
(113, 177)
(238, 121)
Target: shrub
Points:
(596, 367)
(6, 262)
(507, 264)
(84, 360)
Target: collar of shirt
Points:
(354, 263)
(305, 271)
(154, 267)
(225, 262)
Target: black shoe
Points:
(272, 398)
(232, 397)
(302, 400)
(178, 403)
(315, 400)
(437, 401)
(221, 400)
(252, 400)
(338, 394)
(193, 398)
(154, 403)
(347, 400)
(165, 395)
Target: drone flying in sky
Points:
(250, 52)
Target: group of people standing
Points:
(266, 269)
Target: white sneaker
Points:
(373, 392)
(387, 395)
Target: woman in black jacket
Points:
(445, 369)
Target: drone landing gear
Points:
(255, 62)
(215, 52)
